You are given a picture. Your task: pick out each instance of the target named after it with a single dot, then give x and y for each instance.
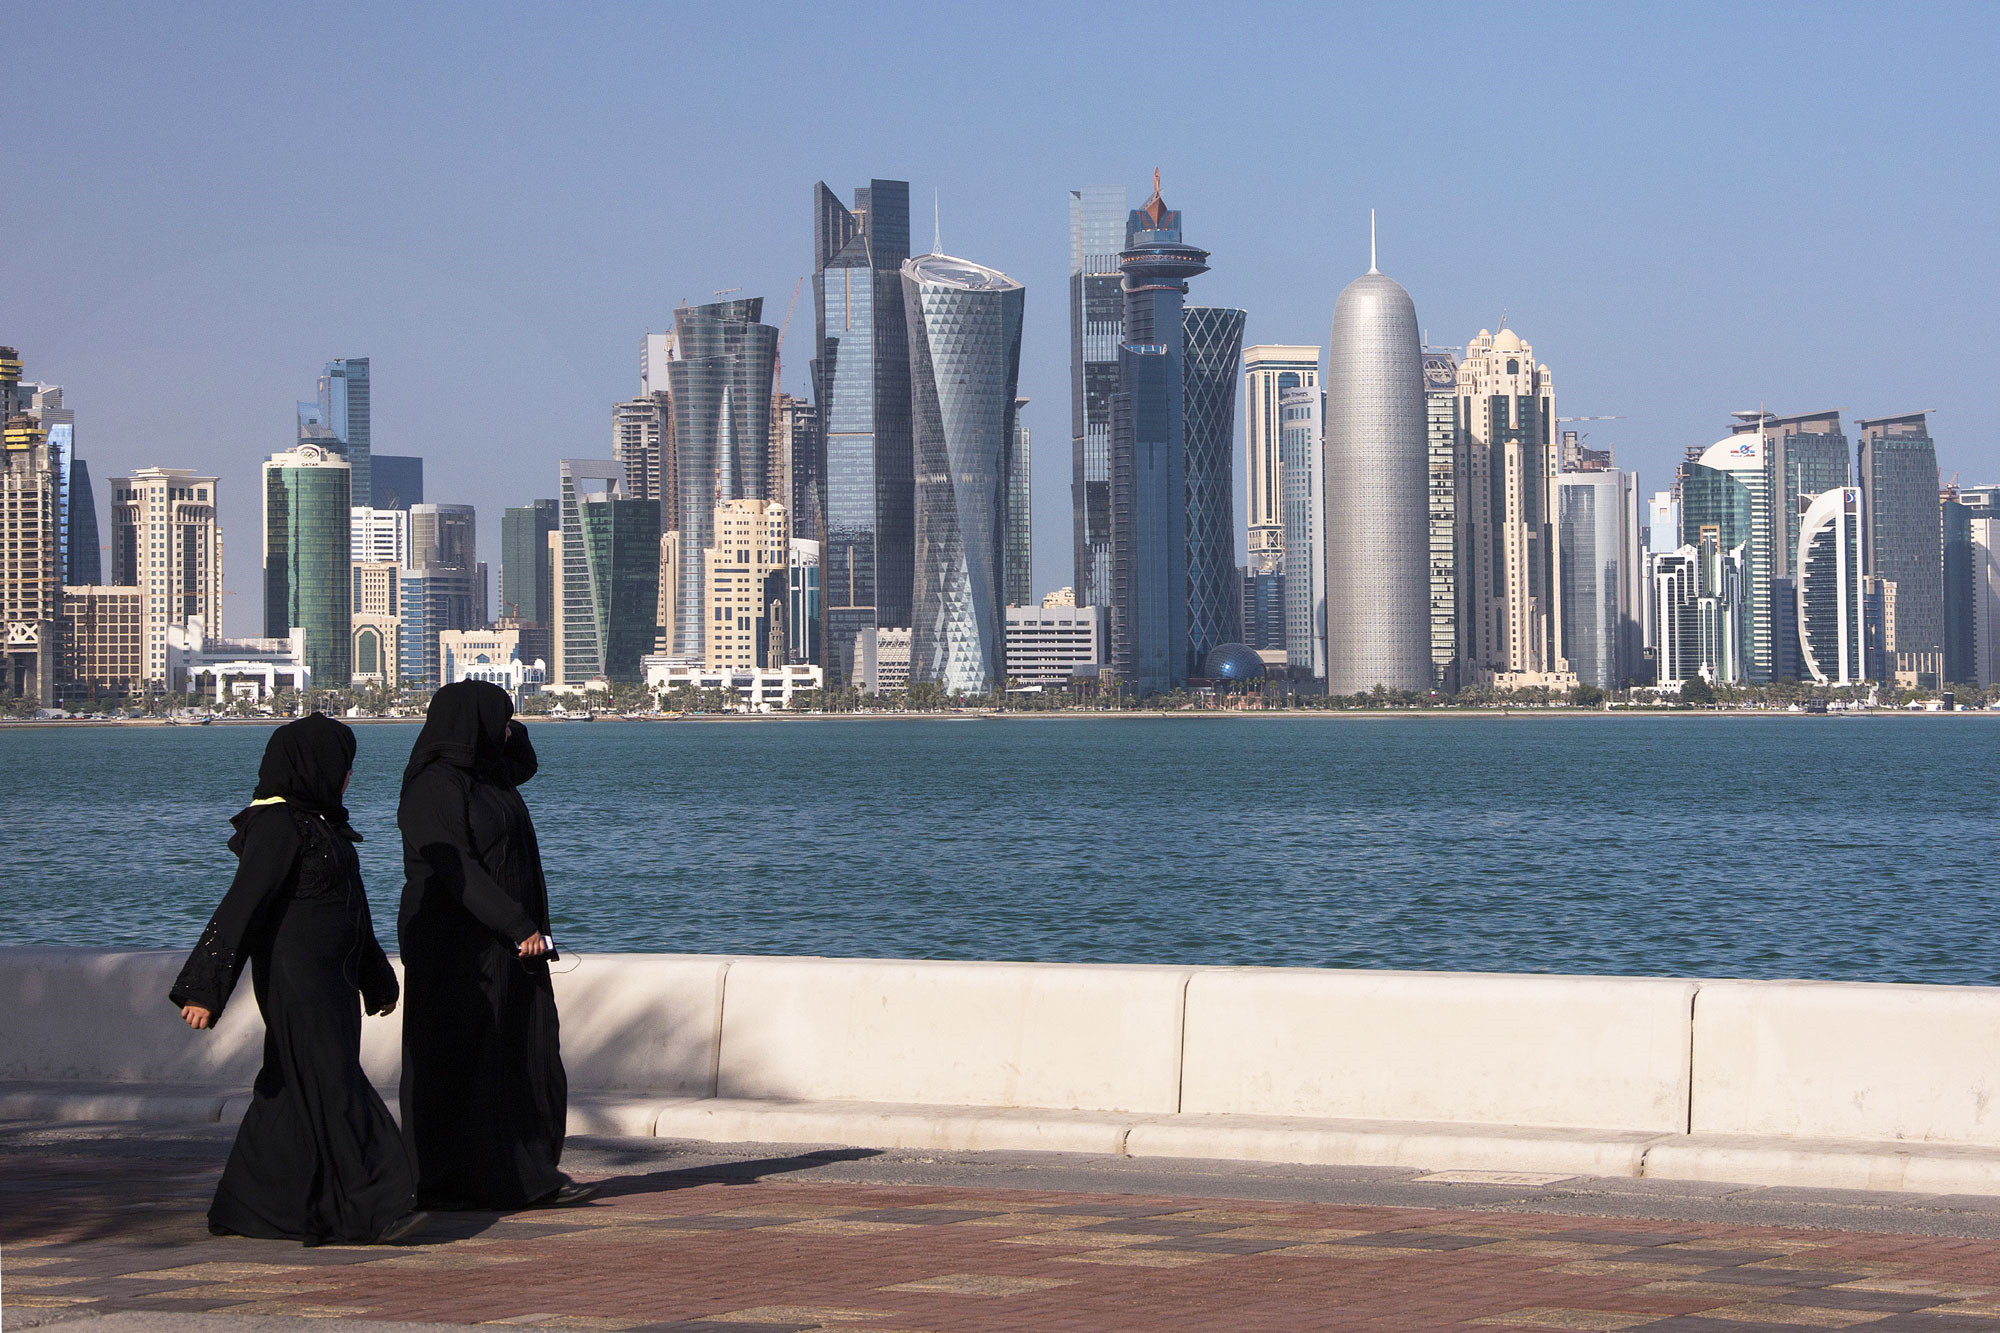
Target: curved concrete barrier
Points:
(1807, 1083)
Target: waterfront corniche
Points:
(1838, 848)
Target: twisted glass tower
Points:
(1213, 340)
(720, 380)
(1377, 470)
(964, 324)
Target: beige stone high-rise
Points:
(166, 542)
(1506, 487)
(1269, 369)
(752, 542)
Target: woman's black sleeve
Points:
(270, 850)
(378, 980)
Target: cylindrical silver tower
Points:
(1377, 523)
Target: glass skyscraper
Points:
(1806, 456)
(1018, 577)
(610, 574)
(1096, 327)
(1302, 468)
(1213, 342)
(343, 409)
(1597, 537)
(84, 559)
(964, 323)
(1899, 487)
(527, 591)
(721, 389)
(861, 380)
(1831, 601)
(1729, 489)
(396, 481)
(308, 583)
(1149, 504)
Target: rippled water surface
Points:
(1788, 846)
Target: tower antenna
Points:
(1371, 242)
(937, 226)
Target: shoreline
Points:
(1075, 715)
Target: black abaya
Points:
(318, 1157)
(485, 1097)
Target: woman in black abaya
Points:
(484, 1093)
(317, 1158)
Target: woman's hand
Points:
(534, 946)
(197, 1017)
(384, 1011)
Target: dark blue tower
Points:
(1149, 554)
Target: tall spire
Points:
(1371, 242)
(937, 225)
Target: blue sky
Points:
(1686, 209)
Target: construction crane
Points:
(778, 352)
(1609, 418)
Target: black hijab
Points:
(306, 763)
(466, 727)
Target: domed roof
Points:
(1233, 661)
(1506, 341)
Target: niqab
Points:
(306, 764)
(466, 727)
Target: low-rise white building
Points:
(491, 655)
(881, 660)
(238, 668)
(760, 689)
(1047, 644)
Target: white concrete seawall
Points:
(1791, 1082)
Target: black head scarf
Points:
(466, 727)
(306, 763)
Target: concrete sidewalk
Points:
(102, 1228)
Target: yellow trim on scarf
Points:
(269, 800)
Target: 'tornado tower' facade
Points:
(1212, 342)
(1149, 485)
(1377, 523)
(964, 324)
(861, 381)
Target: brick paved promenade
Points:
(96, 1222)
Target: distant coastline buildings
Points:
(1418, 522)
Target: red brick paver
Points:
(780, 1254)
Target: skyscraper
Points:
(1441, 426)
(639, 429)
(1508, 615)
(1096, 327)
(1302, 460)
(1269, 370)
(1830, 598)
(1597, 528)
(1899, 491)
(798, 465)
(396, 481)
(964, 323)
(84, 558)
(1149, 490)
(1018, 577)
(1729, 488)
(1806, 456)
(343, 405)
(1212, 340)
(444, 534)
(379, 535)
(610, 575)
(1377, 517)
(861, 381)
(527, 577)
(721, 378)
(165, 541)
(307, 580)
(31, 557)
(744, 581)
(1699, 593)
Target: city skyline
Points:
(1656, 302)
